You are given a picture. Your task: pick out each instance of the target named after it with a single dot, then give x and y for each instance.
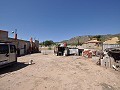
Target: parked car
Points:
(7, 54)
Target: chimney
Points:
(15, 36)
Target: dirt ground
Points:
(50, 72)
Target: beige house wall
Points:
(20, 44)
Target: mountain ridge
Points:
(82, 39)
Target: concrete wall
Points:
(110, 46)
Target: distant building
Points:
(92, 44)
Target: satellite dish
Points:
(12, 31)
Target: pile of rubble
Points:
(110, 58)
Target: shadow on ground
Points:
(12, 68)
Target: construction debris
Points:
(63, 50)
(111, 58)
(30, 62)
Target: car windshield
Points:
(4, 49)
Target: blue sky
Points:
(59, 19)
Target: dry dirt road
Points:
(50, 72)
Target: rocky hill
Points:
(81, 39)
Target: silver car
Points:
(7, 54)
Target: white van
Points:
(7, 54)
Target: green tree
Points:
(98, 37)
(48, 43)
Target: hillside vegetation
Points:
(78, 40)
